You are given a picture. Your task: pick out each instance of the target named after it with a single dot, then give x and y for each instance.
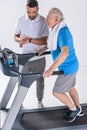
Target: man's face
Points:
(51, 21)
(32, 12)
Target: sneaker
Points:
(81, 113)
(70, 116)
(40, 104)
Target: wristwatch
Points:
(30, 40)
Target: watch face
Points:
(30, 40)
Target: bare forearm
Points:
(59, 60)
(39, 41)
(17, 39)
(41, 51)
(26, 39)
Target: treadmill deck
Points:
(50, 119)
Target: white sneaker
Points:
(40, 104)
(81, 113)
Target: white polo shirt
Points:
(36, 28)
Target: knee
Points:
(57, 95)
(54, 94)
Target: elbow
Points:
(65, 54)
(14, 38)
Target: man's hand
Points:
(48, 72)
(41, 51)
(24, 40)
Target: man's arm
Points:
(41, 51)
(21, 40)
(26, 40)
(61, 58)
(39, 41)
(17, 38)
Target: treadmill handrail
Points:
(13, 69)
(54, 73)
(33, 54)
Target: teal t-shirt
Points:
(70, 65)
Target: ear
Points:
(56, 20)
(38, 8)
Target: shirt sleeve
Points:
(17, 27)
(65, 37)
(45, 30)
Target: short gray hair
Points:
(57, 13)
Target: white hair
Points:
(57, 13)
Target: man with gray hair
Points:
(60, 42)
(31, 33)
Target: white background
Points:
(75, 17)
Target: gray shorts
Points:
(64, 83)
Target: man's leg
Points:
(40, 65)
(64, 99)
(64, 84)
(40, 91)
(74, 96)
(73, 111)
(37, 66)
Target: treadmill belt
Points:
(47, 119)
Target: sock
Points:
(73, 108)
(80, 107)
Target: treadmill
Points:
(35, 119)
